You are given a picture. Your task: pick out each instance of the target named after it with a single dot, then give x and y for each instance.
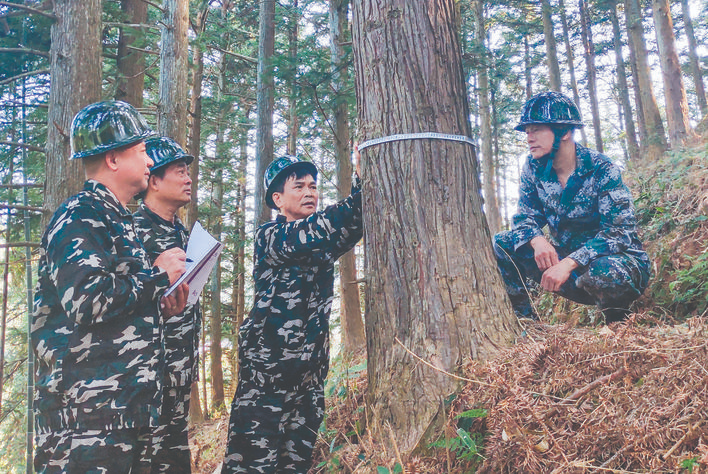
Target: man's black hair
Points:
(298, 172)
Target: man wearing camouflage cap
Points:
(159, 228)
(96, 326)
(592, 254)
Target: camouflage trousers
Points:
(272, 430)
(93, 451)
(611, 282)
(170, 444)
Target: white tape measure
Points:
(416, 136)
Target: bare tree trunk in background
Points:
(131, 63)
(551, 50)
(432, 280)
(76, 82)
(353, 336)
(570, 57)
(265, 99)
(674, 90)
(586, 33)
(491, 207)
(172, 106)
(293, 119)
(632, 143)
(693, 58)
(654, 143)
(527, 67)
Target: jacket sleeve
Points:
(94, 285)
(618, 223)
(530, 217)
(327, 234)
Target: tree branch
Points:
(236, 55)
(154, 5)
(24, 74)
(131, 25)
(19, 244)
(19, 6)
(23, 145)
(28, 185)
(22, 208)
(24, 51)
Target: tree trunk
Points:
(353, 337)
(76, 82)
(264, 104)
(527, 67)
(586, 33)
(130, 82)
(551, 50)
(432, 281)
(654, 143)
(632, 144)
(172, 106)
(693, 58)
(674, 91)
(293, 119)
(571, 64)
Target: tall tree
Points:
(654, 142)
(551, 49)
(293, 119)
(589, 48)
(265, 99)
(76, 82)
(433, 284)
(693, 58)
(131, 61)
(172, 105)
(571, 63)
(674, 90)
(353, 337)
(488, 169)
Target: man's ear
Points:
(111, 159)
(277, 198)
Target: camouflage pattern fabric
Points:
(284, 343)
(96, 325)
(170, 441)
(591, 220)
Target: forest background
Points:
(238, 82)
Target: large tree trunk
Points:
(172, 106)
(264, 104)
(551, 50)
(293, 118)
(76, 82)
(571, 64)
(586, 33)
(674, 91)
(433, 283)
(632, 144)
(488, 173)
(654, 143)
(131, 62)
(693, 58)
(353, 337)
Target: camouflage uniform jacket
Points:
(96, 327)
(180, 332)
(593, 216)
(285, 339)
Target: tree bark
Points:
(586, 33)
(76, 82)
(551, 49)
(570, 58)
(653, 143)
(674, 90)
(632, 144)
(432, 281)
(130, 82)
(172, 106)
(353, 337)
(693, 58)
(293, 119)
(265, 99)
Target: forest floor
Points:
(573, 395)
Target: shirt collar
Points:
(107, 195)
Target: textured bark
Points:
(432, 281)
(653, 143)
(571, 64)
(674, 90)
(264, 103)
(527, 67)
(293, 119)
(172, 106)
(551, 49)
(623, 89)
(491, 207)
(353, 337)
(131, 63)
(693, 58)
(76, 82)
(589, 47)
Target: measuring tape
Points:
(416, 136)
